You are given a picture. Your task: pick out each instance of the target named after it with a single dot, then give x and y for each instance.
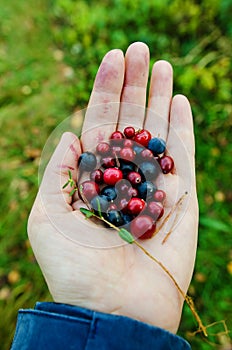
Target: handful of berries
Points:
(122, 176)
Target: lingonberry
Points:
(126, 167)
(87, 161)
(103, 148)
(146, 154)
(109, 192)
(157, 145)
(108, 162)
(132, 192)
(149, 170)
(122, 186)
(115, 217)
(155, 209)
(117, 135)
(142, 137)
(112, 206)
(146, 190)
(129, 132)
(127, 154)
(125, 189)
(88, 190)
(143, 227)
(135, 206)
(128, 143)
(159, 196)
(112, 175)
(115, 150)
(122, 203)
(166, 164)
(134, 177)
(97, 176)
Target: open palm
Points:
(83, 263)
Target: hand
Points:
(119, 280)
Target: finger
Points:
(102, 112)
(54, 197)
(160, 96)
(180, 142)
(133, 97)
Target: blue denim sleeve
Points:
(53, 326)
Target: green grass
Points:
(49, 54)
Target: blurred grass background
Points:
(49, 55)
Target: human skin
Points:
(120, 279)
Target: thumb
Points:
(56, 175)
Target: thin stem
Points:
(187, 298)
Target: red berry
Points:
(108, 162)
(103, 148)
(166, 164)
(122, 204)
(146, 154)
(96, 176)
(112, 175)
(112, 206)
(134, 178)
(88, 190)
(128, 143)
(143, 227)
(129, 132)
(135, 205)
(159, 196)
(117, 135)
(155, 209)
(142, 137)
(115, 150)
(132, 192)
(127, 154)
(122, 186)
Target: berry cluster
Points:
(121, 185)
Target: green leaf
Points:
(72, 192)
(70, 174)
(126, 235)
(66, 184)
(88, 213)
(99, 208)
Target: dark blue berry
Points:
(87, 161)
(157, 145)
(146, 190)
(138, 150)
(115, 217)
(99, 201)
(109, 192)
(126, 167)
(127, 218)
(149, 170)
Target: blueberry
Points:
(115, 217)
(146, 190)
(109, 192)
(138, 149)
(127, 218)
(126, 167)
(149, 170)
(99, 201)
(87, 161)
(157, 145)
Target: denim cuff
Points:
(59, 326)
